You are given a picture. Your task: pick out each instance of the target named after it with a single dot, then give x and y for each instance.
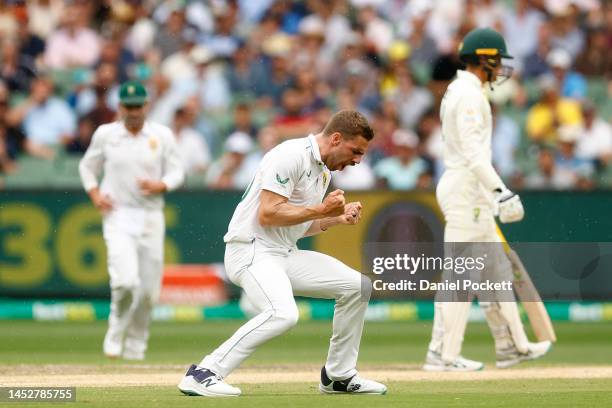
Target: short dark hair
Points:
(349, 124)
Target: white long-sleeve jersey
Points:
(125, 159)
(467, 127)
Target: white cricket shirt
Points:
(126, 158)
(467, 127)
(292, 169)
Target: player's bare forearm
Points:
(275, 211)
(284, 214)
(322, 225)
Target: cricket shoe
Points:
(353, 385)
(434, 362)
(203, 382)
(133, 355)
(509, 358)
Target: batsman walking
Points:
(470, 194)
(284, 203)
(140, 163)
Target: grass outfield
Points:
(27, 342)
(76, 348)
(514, 393)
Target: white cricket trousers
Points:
(469, 218)
(270, 278)
(135, 251)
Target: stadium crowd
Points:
(234, 78)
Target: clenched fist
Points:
(333, 204)
(352, 213)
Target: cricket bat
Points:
(529, 296)
(531, 300)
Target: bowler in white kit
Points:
(284, 203)
(140, 162)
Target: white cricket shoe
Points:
(133, 355)
(203, 382)
(512, 357)
(353, 385)
(434, 362)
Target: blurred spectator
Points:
(208, 83)
(565, 32)
(404, 170)
(229, 171)
(595, 141)
(224, 42)
(396, 64)
(243, 74)
(378, 33)
(572, 83)
(30, 44)
(168, 39)
(412, 101)
(552, 111)
(521, 29)
(292, 121)
(573, 171)
(11, 138)
(360, 86)
(279, 76)
(360, 177)
(101, 113)
(505, 142)
(488, 13)
(337, 26)
(535, 64)
(182, 64)
(44, 16)
(423, 49)
(82, 139)
(113, 52)
(47, 120)
(192, 148)
(429, 130)
(310, 53)
(595, 57)
(73, 44)
(243, 120)
(267, 139)
(105, 86)
(546, 176)
(16, 70)
(140, 37)
(8, 23)
(312, 91)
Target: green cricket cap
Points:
(133, 93)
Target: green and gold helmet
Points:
(485, 42)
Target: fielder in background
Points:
(470, 193)
(140, 163)
(284, 203)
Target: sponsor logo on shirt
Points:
(280, 180)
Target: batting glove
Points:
(509, 206)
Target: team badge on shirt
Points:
(153, 143)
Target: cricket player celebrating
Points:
(470, 193)
(284, 203)
(140, 163)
